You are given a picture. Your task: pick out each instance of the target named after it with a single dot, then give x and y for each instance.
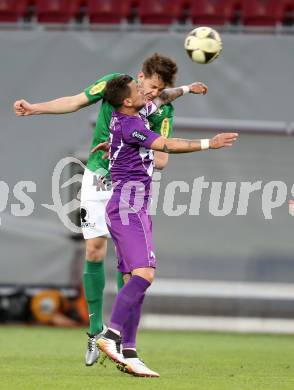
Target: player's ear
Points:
(141, 76)
(128, 102)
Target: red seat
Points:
(260, 12)
(57, 11)
(160, 11)
(13, 10)
(108, 11)
(284, 11)
(214, 12)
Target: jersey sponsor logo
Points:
(140, 136)
(84, 219)
(98, 88)
(164, 130)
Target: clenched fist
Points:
(23, 108)
(198, 88)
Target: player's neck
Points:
(128, 111)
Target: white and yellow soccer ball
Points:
(203, 45)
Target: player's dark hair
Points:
(117, 90)
(163, 66)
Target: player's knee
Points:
(149, 275)
(126, 278)
(145, 273)
(150, 278)
(95, 252)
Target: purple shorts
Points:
(132, 235)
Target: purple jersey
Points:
(131, 163)
(131, 159)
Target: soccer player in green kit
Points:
(158, 72)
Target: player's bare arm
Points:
(178, 145)
(63, 105)
(160, 160)
(170, 94)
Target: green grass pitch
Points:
(50, 358)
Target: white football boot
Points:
(112, 349)
(136, 367)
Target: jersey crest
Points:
(97, 88)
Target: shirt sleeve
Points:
(95, 92)
(135, 133)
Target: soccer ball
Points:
(203, 45)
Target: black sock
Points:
(111, 335)
(129, 353)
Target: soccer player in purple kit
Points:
(131, 167)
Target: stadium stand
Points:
(287, 8)
(247, 13)
(267, 13)
(13, 10)
(160, 11)
(57, 11)
(215, 12)
(108, 11)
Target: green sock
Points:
(119, 280)
(94, 282)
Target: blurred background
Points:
(217, 270)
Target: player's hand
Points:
(198, 88)
(223, 140)
(102, 146)
(23, 108)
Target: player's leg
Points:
(135, 255)
(134, 365)
(130, 328)
(127, 299)
(129, 332)
(125, 318)
(94, 283)
(95, 232)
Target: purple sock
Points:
(126, 300)
(129, 331)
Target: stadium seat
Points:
(13, 10)
(108, 11)
(56, 11)
(160, 11)
(284, 10)
(214, 12)
(260, 12)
